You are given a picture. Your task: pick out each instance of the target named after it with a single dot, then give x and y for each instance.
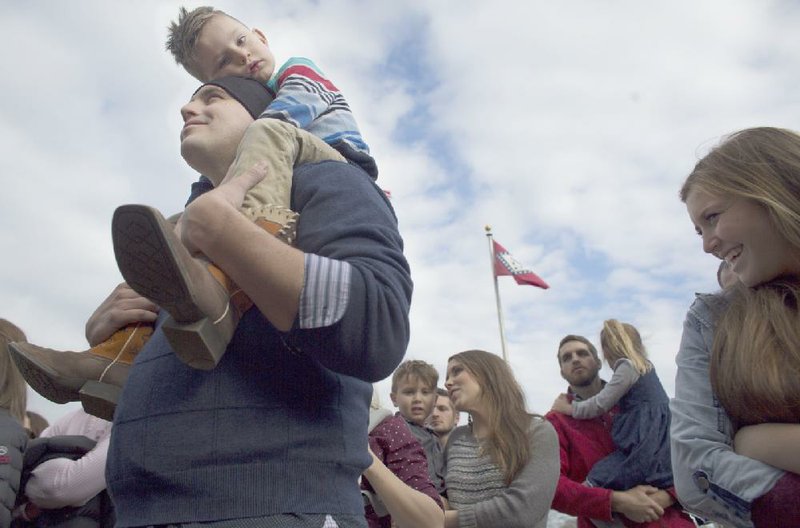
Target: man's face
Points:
(213, 125)
(443, 418)
(578, 366)
(227, 47)
(414, 399)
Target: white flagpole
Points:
(497, 293)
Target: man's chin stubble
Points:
(585, 383)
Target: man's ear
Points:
(260, 36)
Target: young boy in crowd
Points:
(414, 394)
(307, 121)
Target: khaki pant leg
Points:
(283, 147)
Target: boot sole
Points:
(100, 399)
(44, 380)
(150, 263)
(148, 260)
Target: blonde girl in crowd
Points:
(641, 427)
(13, 437)
(736, 409)
(503, 467)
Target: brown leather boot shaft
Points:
(238, 298)
(124, 344)
(278, 222)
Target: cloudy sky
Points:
(566, 126)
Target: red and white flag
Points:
(505, 264)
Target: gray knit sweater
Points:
(475, 486)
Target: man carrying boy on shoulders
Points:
(274, 436)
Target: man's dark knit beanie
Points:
(253, 95)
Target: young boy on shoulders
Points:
(210, 44)
(307, 121)
(414, 395)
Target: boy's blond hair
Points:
(415, 369)
(182, 36)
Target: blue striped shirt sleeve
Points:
(325, 293)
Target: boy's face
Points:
(227, 47)
(414, 400)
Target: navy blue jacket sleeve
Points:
(344, 216)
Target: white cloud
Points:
(568, 127)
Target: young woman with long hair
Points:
(503, 467)
(736, 409)
(13, 437)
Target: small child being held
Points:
(414, 394)
(211, 44)
(398, 450)
(308, 120)
(641, 427)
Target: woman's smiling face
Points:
(740, 231)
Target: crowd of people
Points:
(230, 379)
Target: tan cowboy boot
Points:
(61, 376)
(204, 304)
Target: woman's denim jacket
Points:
(710, 479)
